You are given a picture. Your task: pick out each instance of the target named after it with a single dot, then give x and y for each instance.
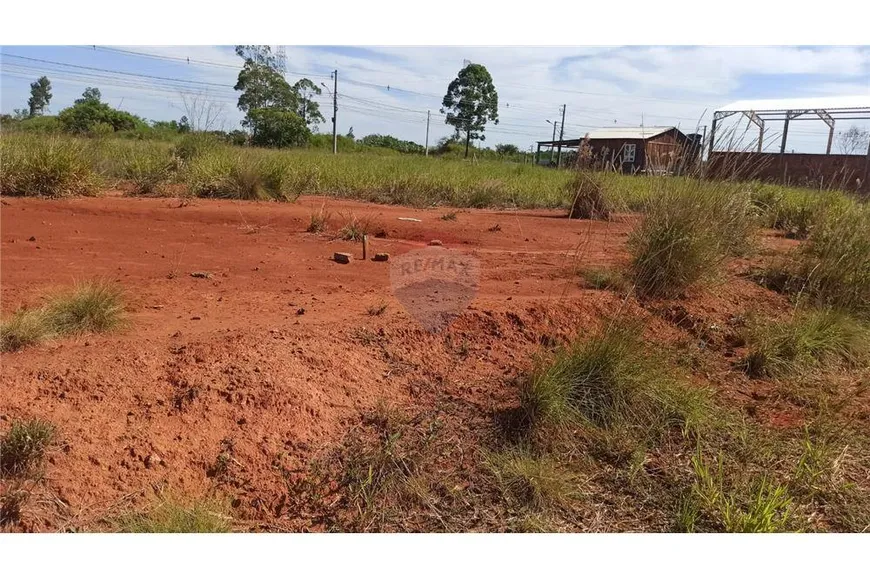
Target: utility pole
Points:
(335, 114)
(428, 115)
(553, 139)
(561, 136)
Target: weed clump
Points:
(536, 482)
(218, 174)
(148, 169)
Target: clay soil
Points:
(276, 353)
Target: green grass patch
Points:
(613, 382)
(173, 517)
(760, 506)
(23, 446)
(807, 340)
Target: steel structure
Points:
(828, 109)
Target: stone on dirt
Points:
(342, 257)
(381, 257)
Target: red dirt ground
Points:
(230, 357)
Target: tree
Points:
(91, 94)
(275, 128)
(91, 116)
(854, 141)
(307, 107)
(470, 102)
(507, 149)
(350, 133)
(40, 95)
(261, 82)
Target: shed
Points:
(636, 149)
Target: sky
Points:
(388, 90)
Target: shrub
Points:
(40, 166)
(42, 124)
(24, 446)
(804, 341)
(90, 115)
(589, 202)
(690, 228)
(172, 517)
(275, 128)
(611, 381)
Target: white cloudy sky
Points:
(389, 89)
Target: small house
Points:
(636, 149)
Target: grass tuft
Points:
(24, 328)
(688, 232)
(590, 201)
(833, 267)
(319, 221)
(604, 279)
(24, 445)
(91, 307)
(148, 169)
(535, 482)
(612, 382)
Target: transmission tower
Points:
(281, 55)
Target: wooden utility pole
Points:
(561, 136)
(428, 115)
(335, 114)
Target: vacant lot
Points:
(295, 393)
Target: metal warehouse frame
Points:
(828, 110)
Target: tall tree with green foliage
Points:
(90, 95)
(270, 103)
(40, 96)
(471, 101)
(307, 107)
(261, 82)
